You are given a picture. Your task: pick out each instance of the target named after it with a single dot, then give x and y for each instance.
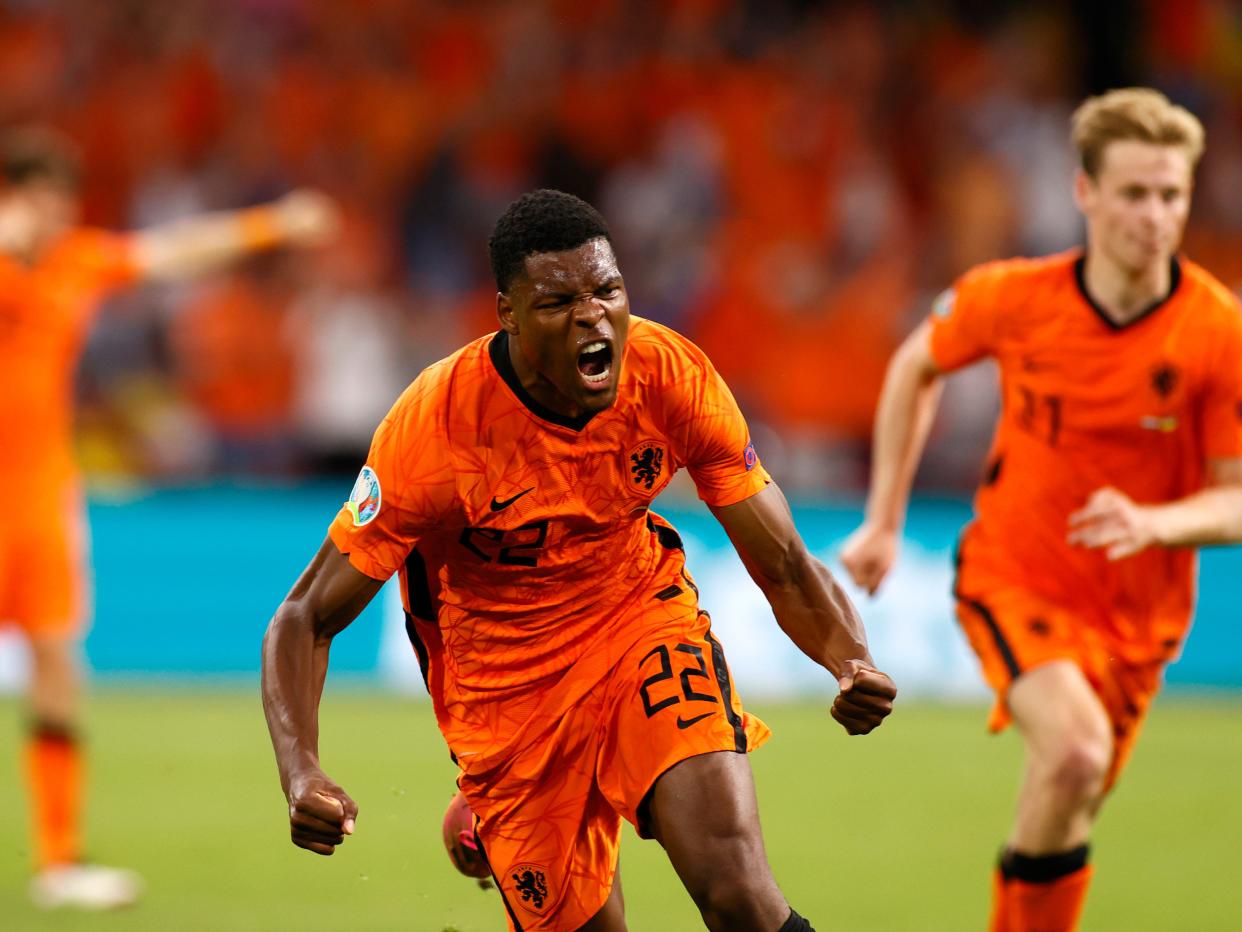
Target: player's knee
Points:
(1079, 768)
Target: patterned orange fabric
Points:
(558, 630)
(1087, 404)
(549, 817)
(45, 312)
(521, 537)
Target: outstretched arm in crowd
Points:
(184, 248)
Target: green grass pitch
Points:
(896, 831)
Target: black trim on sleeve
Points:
(1080, 278)
(498, 350)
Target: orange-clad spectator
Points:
(53, 275)
(235, 366)
(810, 358)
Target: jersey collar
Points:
(1080, 277)
(498, 349)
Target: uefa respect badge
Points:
(364, 500)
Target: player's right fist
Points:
(866, 697)
(321, 814)
(868, 555)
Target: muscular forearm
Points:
(904, 417)
(817, 615)
(295, 663)
(1211, 516)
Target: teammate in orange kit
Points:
(1119, 449)
(53, 275)
(572, 672)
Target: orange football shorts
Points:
(1012, 630)
(42, 575)
(549, 818)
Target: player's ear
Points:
(1084, 189)
(505, 314)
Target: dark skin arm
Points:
(326, 598)
(810, 606)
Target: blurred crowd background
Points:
(789, 183)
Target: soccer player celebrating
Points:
(53, 275)
(1119, 448)
(573, 673)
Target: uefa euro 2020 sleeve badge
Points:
(364, 500)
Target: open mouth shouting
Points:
(595, 364)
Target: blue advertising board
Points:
(187, 579)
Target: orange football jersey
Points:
(1085, 404)
(523, 538)
(45, 312)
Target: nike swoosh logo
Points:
(687, 722)
(498, 505)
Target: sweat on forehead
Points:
(543, 221)
(586, 266)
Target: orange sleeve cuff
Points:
(359, 559)
(755, 482)
(259, 229)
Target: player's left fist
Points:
(866, 697)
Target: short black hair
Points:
(31, 154)
(541, 221)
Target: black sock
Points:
(45, 730)
(795, 923)
(1042, 868)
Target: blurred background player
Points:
(1119, 448)
(573, 674)
(53, 276)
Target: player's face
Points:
(45, 210)
(1137, 204)
(568, 317)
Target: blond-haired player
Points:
(1118, 450)
(53, 275)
